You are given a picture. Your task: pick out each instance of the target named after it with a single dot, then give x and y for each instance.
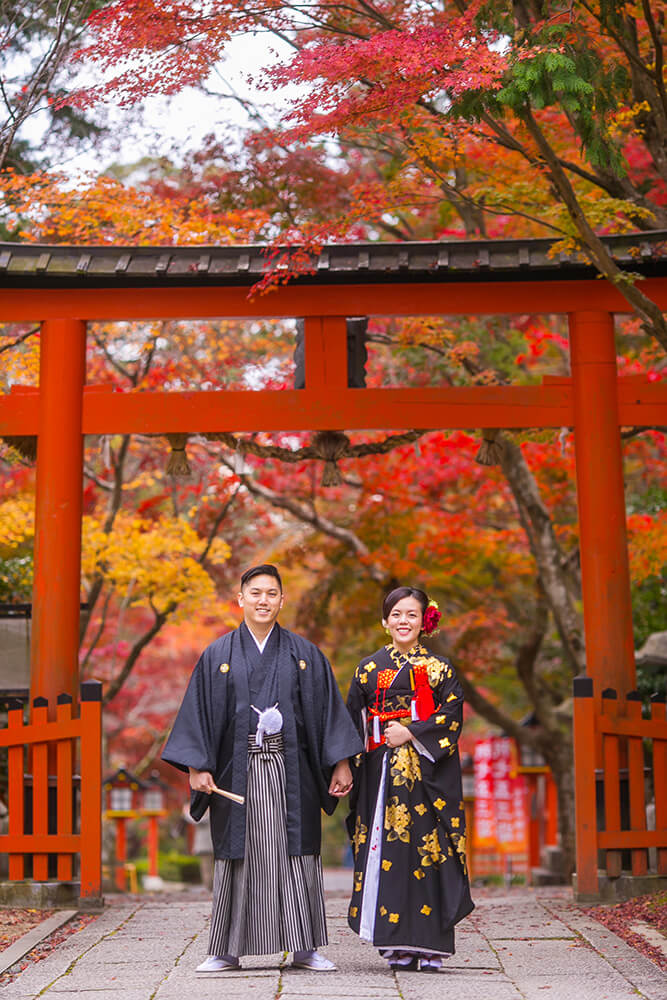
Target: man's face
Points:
(261, 600)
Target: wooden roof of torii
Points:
(26, 265)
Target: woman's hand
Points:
(201, 781)
(396, 734)
(341, 779)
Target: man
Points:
(262, 717)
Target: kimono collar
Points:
(414, 654)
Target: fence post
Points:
(584, 787)
(91, 791)
(40, 789)
(636, 782)
(64, 791)
(658, 712)
(611, 777)
(16, 794)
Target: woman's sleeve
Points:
(439, 733)
(356, 706)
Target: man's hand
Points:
(396, 734)
(201, 781)
(341, 779)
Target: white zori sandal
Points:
(218, 963)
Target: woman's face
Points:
(404, 623)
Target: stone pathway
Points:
(517, 945)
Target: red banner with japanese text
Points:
(501, 817)
(484, 830)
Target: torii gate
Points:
(66, 287)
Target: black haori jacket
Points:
(211, 734)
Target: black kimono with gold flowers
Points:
(407, 822)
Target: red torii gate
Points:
(66, 287)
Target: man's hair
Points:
(266, 569)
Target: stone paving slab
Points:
(437, 987)
(641, 973)
(571, 958)
(528, 920)
(520, 945)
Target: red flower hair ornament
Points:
(431, 618)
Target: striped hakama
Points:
(268, 901)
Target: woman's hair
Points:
(394, 596)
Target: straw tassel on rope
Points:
(178, 464)
(491, 449)
(330, 446)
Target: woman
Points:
(407, 822)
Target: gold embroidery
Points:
(455, 821)
(383, 910)
(461, 806)
(440, 719)
(460, 845)
(363, 678)
(425, 910)
(387, 864)
(303, 664)
(224, 668)
(353, 911)
(451, 697)
(440, 803)
(360, 833)
(358, 878)
(397, 820)
(444, 742)
(418, 873)
(436, 670)
(454, 726)
(431, 852)
(405, 767)
(370, 667)
(393, 918)
(421, 808)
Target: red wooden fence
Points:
(615, 745)
(51, 746)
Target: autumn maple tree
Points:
(477, 119)
(506, 118)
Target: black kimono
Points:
(215, 719)
(407, 822)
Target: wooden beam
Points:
(640, 405)
(326, 352)
(483, 298)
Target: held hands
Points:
(341, 779)
(201, 781)
(396, 734)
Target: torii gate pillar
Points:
(601, 500)
(54, 662)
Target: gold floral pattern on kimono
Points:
(397, 820)
(460, 845)
(360, 834)
(431, 853)
(405, 767)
